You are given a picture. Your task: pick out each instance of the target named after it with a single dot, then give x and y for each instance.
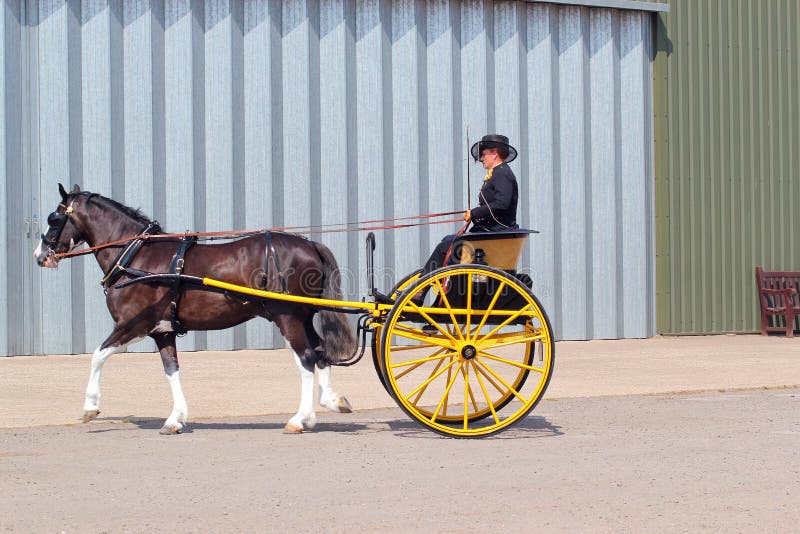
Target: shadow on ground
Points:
(530, 427)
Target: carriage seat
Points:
(500, 250)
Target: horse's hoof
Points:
(336, 404)
(292, 428)
(344, 406)
(169, 430)
(89, 415)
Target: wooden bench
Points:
(778, 293)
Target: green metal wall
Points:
(727, 164)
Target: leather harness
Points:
(120, 267)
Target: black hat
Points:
(493, 141)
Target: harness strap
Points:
(270, 252)
(176, 267)
(125, 257)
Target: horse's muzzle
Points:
(45, 257)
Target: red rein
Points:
(291, 229)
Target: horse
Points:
(124, 243)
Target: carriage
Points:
(470, 360)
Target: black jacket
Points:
(497, 200)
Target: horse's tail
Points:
(339, 340)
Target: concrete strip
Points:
(48, 390)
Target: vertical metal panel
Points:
(218, 131)
(229, 114)
(258, 142)
(179, 125)
(541, 164)
(17, 217)
(441, 154)
(4, 182)
(635, 179)
(407, 102)
(604, 166)
(571, 312)
(373, 78)
(54, 134)
(138, 130)
(96, 69)
(729, 174)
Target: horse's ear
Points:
(62, 191)
(75, 189)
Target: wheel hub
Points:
(468, 352)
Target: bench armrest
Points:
(788, 297)
(789, 291)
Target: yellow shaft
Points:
(291, 298)
(329, 303)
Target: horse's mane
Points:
(135, 214)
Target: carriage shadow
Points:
(530, 428)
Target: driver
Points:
(497, 200)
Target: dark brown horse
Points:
(161, 310)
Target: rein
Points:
(311, 229)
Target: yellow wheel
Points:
(404, 284)
(475, 358)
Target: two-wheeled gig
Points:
(470, 361)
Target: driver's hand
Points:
(468, 215)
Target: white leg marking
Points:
(328, 398)
(91, 406)
(305, 418)
(162, 327)
(180, 411)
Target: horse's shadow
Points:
(531, 427)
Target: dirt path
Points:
(715, 462)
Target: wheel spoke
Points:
(489, 309)
(418, 335)
(432, 322)
(422, 391)
(500, 379)
(503, 324)
(467, 395)
(484, 354)
(512, 338)
(469, 307)
(471, 395)
(400, 348)
(446, 393)
(447, 390)
(489, 379)
(485, 393)
(416, 366)
(422, 360)
(447, 305)
(430, 379)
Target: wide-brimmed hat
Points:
(493, 141)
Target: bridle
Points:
(56, 222)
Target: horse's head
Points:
(62, 234)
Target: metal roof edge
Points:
(615, 4)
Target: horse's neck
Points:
(106, 225)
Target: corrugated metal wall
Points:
(229, 114)
(728, 124)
